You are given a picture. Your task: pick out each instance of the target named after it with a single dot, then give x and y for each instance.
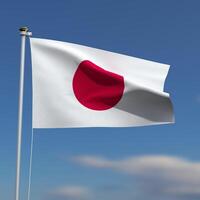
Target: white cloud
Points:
(93, 161)
(71, 192)
(163, 175)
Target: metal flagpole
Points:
(23, 32)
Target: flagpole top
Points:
(24, 31)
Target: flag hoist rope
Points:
(24, 33)
(30, 165)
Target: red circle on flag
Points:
(96, 88)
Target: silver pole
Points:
(23, 32)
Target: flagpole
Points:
(23, 32)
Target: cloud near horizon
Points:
(157, 176)
(70, 192)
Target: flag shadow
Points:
(148, 105)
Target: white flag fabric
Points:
(80, 86)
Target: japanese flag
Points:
(80, 86)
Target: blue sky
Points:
(78, 164)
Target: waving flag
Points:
(79, 86)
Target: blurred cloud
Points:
(70, 192)
(157, 176)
